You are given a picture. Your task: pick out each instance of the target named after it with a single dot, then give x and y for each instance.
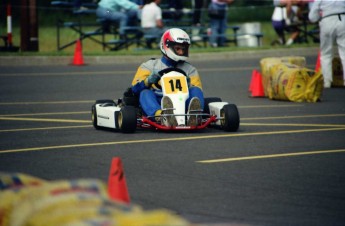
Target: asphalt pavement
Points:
(118, 59)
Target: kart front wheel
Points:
(127, 119)
(94, 116)
(230, 121)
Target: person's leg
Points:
(195, 92)
(132, 18)
(341, 42)
(214, 32)
(113, 16)
(149, 102)
(101, 12)
(222, 31)
(278, 27)
(197, 12)
(326, 49)
(123, 19)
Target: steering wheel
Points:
(167, 70)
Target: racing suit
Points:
(332, 29)
(150, 96)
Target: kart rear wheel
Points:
(208, 100)
(230, 121)
(94, 116)
(127, 119)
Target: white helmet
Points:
(172, 37)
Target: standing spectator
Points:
(197, 8)
(124, 12)
(217, 12)
(151, 20)
(331, 17)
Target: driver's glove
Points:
(153, 78)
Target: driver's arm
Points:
(139, 82)
(195, 78)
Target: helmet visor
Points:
(180, 49)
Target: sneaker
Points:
(193, 108)
(214, 45)
(326, 84)
(289, 42)
(168, 108)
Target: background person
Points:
(196, 19)
(217, 12)
(285, 15)
(151, 20)
(197, 8)
(331, 17)
(124, 12)
(278, 24)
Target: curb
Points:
(103, 60)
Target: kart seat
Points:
(129, 98)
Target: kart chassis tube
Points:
(212, 118)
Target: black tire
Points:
(208, 100)
(94, 116)
(231, 118)
(127, 119)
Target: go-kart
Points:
(126, 115)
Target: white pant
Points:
(332, 30)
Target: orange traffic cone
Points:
(318, 63)
(117, 187)
(252, 80)
(78, 54)
(257, 88)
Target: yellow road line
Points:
(271, 156)
(217, 136)
(50, 113)
(44, 120)
(272, 106)
(48, 102)
(68, 73)
(293, 124)
(44, 128)
(296, 116)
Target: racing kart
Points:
(126, 115)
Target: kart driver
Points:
(175, 47)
